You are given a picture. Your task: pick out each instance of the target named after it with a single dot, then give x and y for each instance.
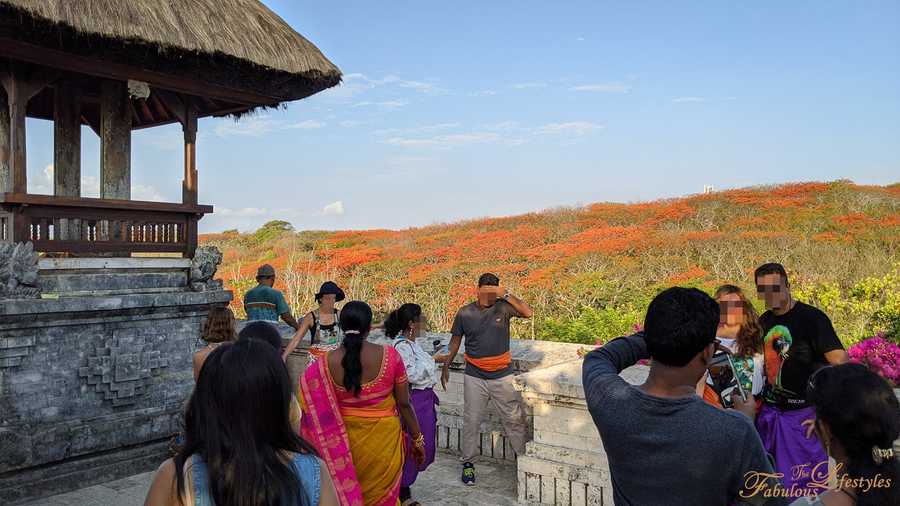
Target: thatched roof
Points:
(235, 43)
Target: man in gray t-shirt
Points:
(665, 445)
(485, 326)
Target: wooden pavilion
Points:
(120, 66)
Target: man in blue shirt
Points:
(266, 303)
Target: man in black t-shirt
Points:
(488, 377)
(798, 340)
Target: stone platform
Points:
(93, 378)
(439, 485)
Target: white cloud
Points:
(681, 100)
(349, 123)
(90, 187)
(244, 212)
(506, 133)
(449, 141)
(146, 192)
(523, 86)
(357, 83)
(419, 86)
(483, 93)
(574, 128)
(580, 39)
(426, 129)
(503, 126)
(603, 88)
(305, 125)
(257, 126)
(333, 209)
(388, 104)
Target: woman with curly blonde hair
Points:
(740, 332)
(219, 328)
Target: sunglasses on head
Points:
(811, 384)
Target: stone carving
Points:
(203, 267)
(14, 349)
(19, 271)
(122, 370)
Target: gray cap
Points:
(265, 271)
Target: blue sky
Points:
(454, 110)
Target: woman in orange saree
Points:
(351, 401)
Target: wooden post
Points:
(66, 154)
(5, 168)
(66, 142)
(21, 82)
(17, 99)
(189, 185)
(115, 141)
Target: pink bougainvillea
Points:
(880, 356)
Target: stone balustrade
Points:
(565, 463)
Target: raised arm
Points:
(611, 359)
(520, 306)
(298, 336)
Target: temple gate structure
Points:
(102, 299)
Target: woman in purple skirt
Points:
(405, 325)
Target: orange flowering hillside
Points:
(589, 272)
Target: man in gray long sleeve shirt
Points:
(666, 446)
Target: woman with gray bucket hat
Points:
(322, 323)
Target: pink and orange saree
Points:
(359, 438)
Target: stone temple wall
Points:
(92, 387)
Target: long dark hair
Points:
(862, 412)
(356, 319)
(237, 420)
(749, 338)
(399, 319)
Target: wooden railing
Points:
(88, 225)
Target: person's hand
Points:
(445, 376)
(747, 407)
(497, 291)
(439, 357)
(810, 426)
(419, 454)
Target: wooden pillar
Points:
(189, 126)
(115, 141)
(17, 95)
(66, 142)
(5, 167)
(21, 82)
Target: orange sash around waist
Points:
(381, 410)
(491, 364)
